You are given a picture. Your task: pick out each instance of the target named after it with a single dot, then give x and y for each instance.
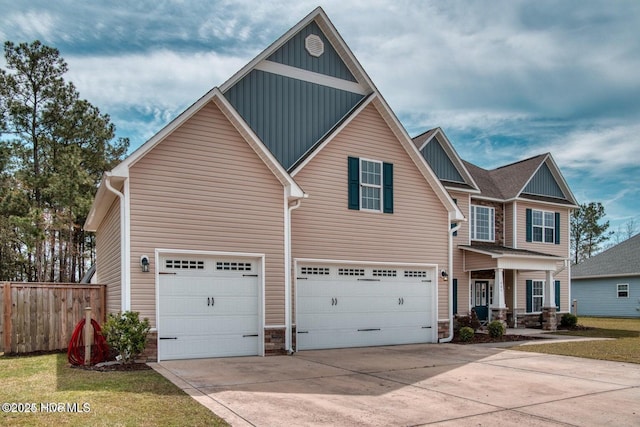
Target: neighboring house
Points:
(511, 258)
(608, 284)
(287, 209)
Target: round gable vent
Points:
(314, 45)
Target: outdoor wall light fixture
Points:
(444, 275)
(144, 263)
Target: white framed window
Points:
(371, 185)
(622, 290)
(482, 223)
(543, 224)
(537, 295)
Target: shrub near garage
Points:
(126, 334)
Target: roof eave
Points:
(605, 276)
(455, 214)
(102, 202)
(509, 255)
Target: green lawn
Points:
(624, 348)
(138, 398)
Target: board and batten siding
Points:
(203, 188)
(599, 296)
(108, 257)
(324, 228)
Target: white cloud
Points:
(604, 150)
(31, 24)
(159, 79)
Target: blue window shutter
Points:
(558, 295)
(455, 296)
(529, 225)
(354, 183)
(387, 187)
(455, 233)
(557, 233)
(529, 296)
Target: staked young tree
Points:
(59, 145)
(587, 232)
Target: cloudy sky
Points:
(504, 79)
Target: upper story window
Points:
(543, 226)
(482, 223)
(370, 185)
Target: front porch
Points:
(516, 287)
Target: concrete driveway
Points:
(441, 384)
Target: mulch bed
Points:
(115, 367)
(482, 338)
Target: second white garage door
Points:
(357, 306)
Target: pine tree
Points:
(587, 233)
(59, 146)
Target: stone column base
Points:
(499, 314)
(549, 319)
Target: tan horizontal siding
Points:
(523, 276)
(324, 228)
(108, 257)
(548, 248)
(462, 238)
(475, 261)
(203, 188)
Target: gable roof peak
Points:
(537, 158)
(446, 172)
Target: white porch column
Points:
(499, 288)
(549, 291)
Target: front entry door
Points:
(483, 298)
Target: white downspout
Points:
(450, 269)
(124, 273)
(287, 274)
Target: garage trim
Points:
(161, 252)
(317, 261)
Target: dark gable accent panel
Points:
(544, 184)
(294, 54)
(440, 162)
(289, 115)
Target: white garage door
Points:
(207, 307)
(355, 306)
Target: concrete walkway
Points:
(425, 384)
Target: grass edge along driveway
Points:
(140, 398)
(623, 348)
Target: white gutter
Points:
(287, 272)
(450, 268)
(125, 299)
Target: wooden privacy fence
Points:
(42, 316)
